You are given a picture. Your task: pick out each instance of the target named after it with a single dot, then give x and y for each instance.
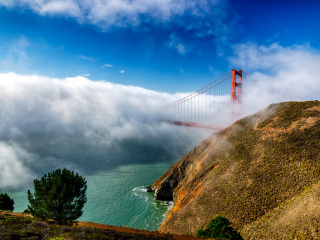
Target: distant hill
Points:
(262, 173)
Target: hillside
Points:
(21, 226)
(262, 173)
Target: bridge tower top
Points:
(236, 97)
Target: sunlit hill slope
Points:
(262, 173)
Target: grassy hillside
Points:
(20, 226)
(260, 169)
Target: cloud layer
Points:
(291, 70)
(111, 115)
(115, 12)
(31, 104)
(99, 118)
(13, 161)
(197, 22)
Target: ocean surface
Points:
(117, 175)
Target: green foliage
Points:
(6, 203)
(219, 227)
(60, 196)
(57, 238)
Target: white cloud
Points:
(197, 19)
(36, 109)
(176, 44)
(122, 71)
(13, 161)
(107, 65)
(69, 7)
(86, 75)
(107, 13)
(91, 59)
(293, 71)
(181, 49)
(77, 106)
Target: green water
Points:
(120, 198)
(116, 177)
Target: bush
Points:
(219, 228)
(6, 203)
(60, 196)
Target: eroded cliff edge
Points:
(262, 173)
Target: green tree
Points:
(219, 227)
(6, 203)
(59, 195)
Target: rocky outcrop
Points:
(164, 187)
(261, 173)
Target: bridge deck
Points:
(196, 125)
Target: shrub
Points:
(57, 238)
(60, 196)
(219, 228)
(6, 203)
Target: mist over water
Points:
(43, 119)
(116, 174)
(110, 134)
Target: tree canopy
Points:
(6, 203)
(58, 195)
(219, 227)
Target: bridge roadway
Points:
(196, 125)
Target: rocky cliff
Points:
(262, 173)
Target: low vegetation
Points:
(219, 227)
(15, 226)
(57, 201)
(6, 203)
(58, 195)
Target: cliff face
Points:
(262, 173)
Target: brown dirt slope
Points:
(262, 173)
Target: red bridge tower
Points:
(234, 96)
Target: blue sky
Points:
(170, 46)
(167, 46)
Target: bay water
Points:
(116, 174)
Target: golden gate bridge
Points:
(218, 97)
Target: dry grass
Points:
(265, 160)
(20, 226)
